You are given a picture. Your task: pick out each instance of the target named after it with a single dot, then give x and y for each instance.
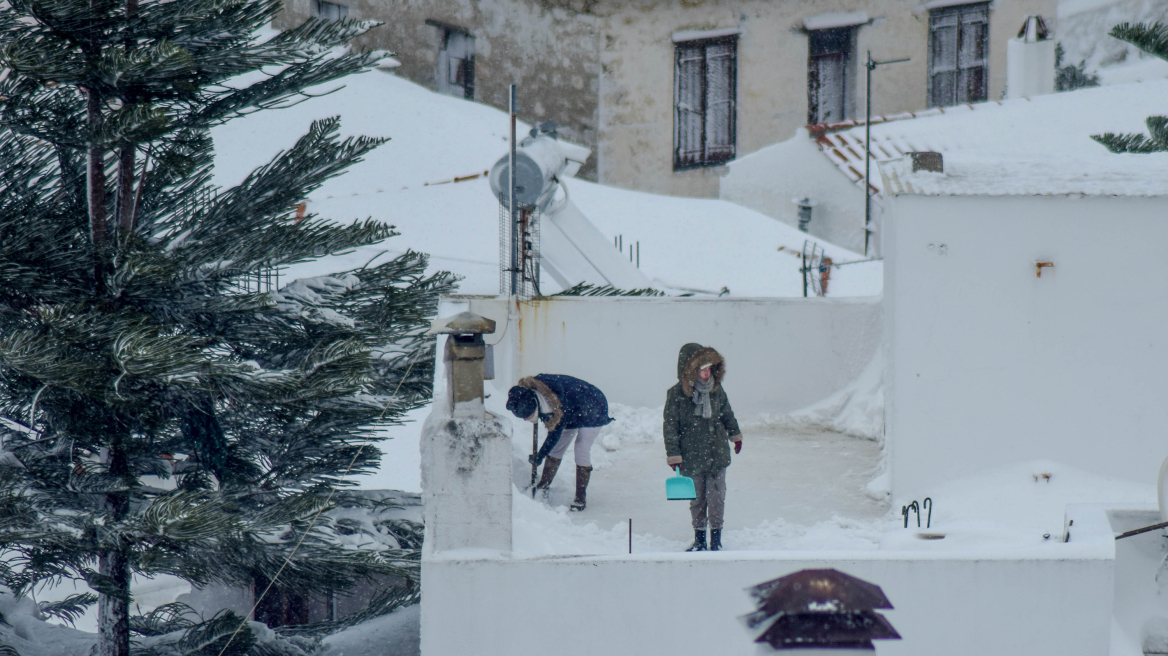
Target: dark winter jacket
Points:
(574, 404)
(703, 444)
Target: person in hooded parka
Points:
(699, 427)
(573, 411)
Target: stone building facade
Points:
(665, 92)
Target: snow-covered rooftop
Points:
(428, 181)
(969, 175)
(1039, 145)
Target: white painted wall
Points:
(766, 181)
(466, 471)
(970, 605)
(989, 364)
(781, 354)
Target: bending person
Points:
(699, 426)
(572, 411)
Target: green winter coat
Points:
(703, 444)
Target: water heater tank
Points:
(539, 160)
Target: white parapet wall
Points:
(781, 354)
(971, 604)
(990, 363)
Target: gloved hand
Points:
(738, 446)
(673, 461)
(534, 459)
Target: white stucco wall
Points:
(781, 354)
(970, 605)
(990, 364)
(768, 180)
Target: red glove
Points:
(738, 446)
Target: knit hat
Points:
(522, 402)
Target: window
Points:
(829, 75)
(329, 10)
(704, 132)
(959, 54)
(456, 63)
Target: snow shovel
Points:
(679, 488)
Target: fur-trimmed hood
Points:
(691, 359)
(541, 388)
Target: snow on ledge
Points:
(835, 19)
(697, 35)
(938, 4)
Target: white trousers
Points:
(583, 437)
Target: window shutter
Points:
(943, 59)
(958, 54)
(971, 59)
(689, 105)
(720, 74)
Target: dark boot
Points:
(715, 539)
(550, 466)
(699, 540)
(582, 476)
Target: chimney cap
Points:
(1034, 29)
(463, 323)
(812, 590)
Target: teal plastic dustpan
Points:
(679, 488)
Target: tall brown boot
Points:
(582, 476)
(550, 466)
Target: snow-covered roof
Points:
(965, 175)
(427, 180)
(1039, 145)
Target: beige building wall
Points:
(605, 68)
(548, 47)
(637, 85)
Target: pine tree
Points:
(160, 413)
(1152, 39)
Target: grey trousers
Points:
(583, 437)
(711, 500)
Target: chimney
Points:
(927, 161)
(1030, 60)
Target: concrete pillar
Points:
(466, 454)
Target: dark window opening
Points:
(329, 10)
(456, 63)
(705, 92)
(829, 75)
(959, 54)
(280, 606)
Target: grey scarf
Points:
(701, 397)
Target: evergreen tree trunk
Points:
(113, 610)
(126, 164)
(95, 178)
(125, 192)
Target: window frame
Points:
(318, 9)
(960, 16)
(442, 74)
(848, 81)
(705, 159)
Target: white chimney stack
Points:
(1030, 60)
